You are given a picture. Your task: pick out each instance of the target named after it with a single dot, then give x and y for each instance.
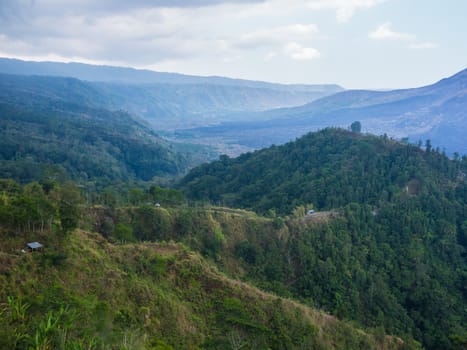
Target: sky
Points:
(377, 44)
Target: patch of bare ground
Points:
(321, 216)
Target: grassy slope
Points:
(150, 295)
(331, 264)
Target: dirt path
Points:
(321, 216)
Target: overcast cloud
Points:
(308, 41)
(142, 32)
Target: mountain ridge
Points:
(169, 100)
(417, 113)
(134, 75)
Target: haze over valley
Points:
(235, 116)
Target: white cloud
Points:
(301, 53)
(276, 36)
(291, 41)
(423, 45)
(345, 9)
(385, 32)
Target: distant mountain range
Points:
(172, 100)
(128, 75)
(238, 115)
(437, 112)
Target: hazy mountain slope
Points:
(194, 100)
(140, 76)
(435, 95)
(175, 105)
(44, 92)
(436, 111)
(55, 126)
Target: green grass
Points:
(99, 295)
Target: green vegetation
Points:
(58, 129)
(39, 208)
(388, 256)
(328, 169)
(85, 292)
(356, 126)
(395, 255)
(407, 284)
(84, 144)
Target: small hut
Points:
(34, 246)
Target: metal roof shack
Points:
(34, 246)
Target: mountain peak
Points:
(461, 75)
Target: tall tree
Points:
(69, 207)
(356, 126)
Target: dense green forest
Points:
(54, 128)
(101, 291)
(325, 169)
(393, 252)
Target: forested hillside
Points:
(392, 255)
(99, 291)
(56, 128)
(389, 255)
(325, 170)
